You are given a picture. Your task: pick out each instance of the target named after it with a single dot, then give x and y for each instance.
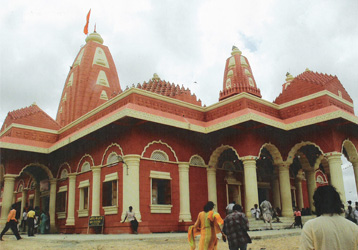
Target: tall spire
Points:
(238, 76)
(92, 81)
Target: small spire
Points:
(95, 28)
(156, 77)
(307, 69)
(289, 77)
(235, 51)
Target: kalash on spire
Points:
(238, 77)
(92, 81)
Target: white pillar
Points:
(298, 183)
(355, 168)
(23, 202)
(96, 188)
(311, 187)
(335, 169)
(9, 184)
(70, 221)
(276, 192)
(251, 190)
(212, 193)
(131, 185)
(52, 208)
(37, 196)
(184, 214)
(285, 190)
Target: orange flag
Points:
(85, 30)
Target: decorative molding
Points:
(108, 148)
(61, 215)
(80, 163)
(296, 147)
(62, 189)
(257, 116)
(160, 175)
(110, 210)
(217, 152)
(159, 142)
(82, 213)
(111, 177)
(85, 183)
(161, 209)
(63, 166)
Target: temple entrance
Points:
(263, 194)
(233, 193)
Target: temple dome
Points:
(94, 37)
(238, 77)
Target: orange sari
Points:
(207, 225)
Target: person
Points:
(257, 212)
(298, 217)
(329, 230)
(235, 228)
(208, 224)
(132, 219)
(350, 215)
(23, 221)
(37, 219)
(30, 222)
(43, 222)
(11, 223)
(266, 213)
(275, 215)
(355, 211)
(230, 207)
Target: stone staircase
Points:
(285, 223)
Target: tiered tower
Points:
(92, 81)
(238, 76)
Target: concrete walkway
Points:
(264, 234)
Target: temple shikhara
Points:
(157, 148)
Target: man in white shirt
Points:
(329, 230)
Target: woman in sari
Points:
(208, 224)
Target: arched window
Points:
(64, 174)
(197, 161)
(159, 156)
(86, 167)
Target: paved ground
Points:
(268, 239)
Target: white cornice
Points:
(15, 125)
(314, 96)
(125, 94)
(128, 112)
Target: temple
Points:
(155, 147)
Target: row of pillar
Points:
(281, 188)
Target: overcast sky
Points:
(184, 42)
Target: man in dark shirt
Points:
(235, 228)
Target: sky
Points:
(184, 42)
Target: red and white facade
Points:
(156, 148)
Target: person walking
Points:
(132, 219)
(11, 223)
(208, 224)
(30, 222)
(235, 228)
(329, 230)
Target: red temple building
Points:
(156, 148)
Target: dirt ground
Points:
(10, 243)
